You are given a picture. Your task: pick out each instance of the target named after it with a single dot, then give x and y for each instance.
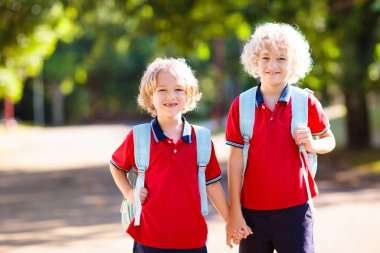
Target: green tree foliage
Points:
(29, 33)
(343, 37)
(355, 27)
(95, 51)
(101, 69)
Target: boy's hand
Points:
(302, 136)
(143, 195)
(238, 235)
(236, 228)
(236, 241)
(130, 196)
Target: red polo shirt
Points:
(171, 216)
(273, 178)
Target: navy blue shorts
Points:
(287, 230)
(139, 248)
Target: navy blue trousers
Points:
(139, 248)
(287, 230)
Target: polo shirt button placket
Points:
(173, 146)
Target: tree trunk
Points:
(38, 101)
(357, 45)
(358, 133)
(9, 120)
(96, 112)
(57, 104)
(218, 110)
(359, 51)
(355, 62)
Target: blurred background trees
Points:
(75, 62)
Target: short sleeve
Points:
(318, 121)
(233, 135)
(123, 157)
(213, 171)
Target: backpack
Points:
(247, 107)
(141, 136)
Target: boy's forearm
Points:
(235, 170)
(325, 143)
(234, 179)
(218, 198)
(121, 180)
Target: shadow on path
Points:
(47, 202)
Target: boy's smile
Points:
(272, 73)
(169, 98)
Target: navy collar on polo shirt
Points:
(159, 134)
(285, 95)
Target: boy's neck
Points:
(271, 94)
(272, 90)
(172, 127)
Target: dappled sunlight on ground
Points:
(57, 195)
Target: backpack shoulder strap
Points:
(299, 107)
(247, 110)
(141, 139)
(300, 99)
(203, 139)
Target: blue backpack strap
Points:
(247, 110)
(127, 209)
(141, 138)
(300, 118)
(203, 139)
(299, 107)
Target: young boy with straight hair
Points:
(171, 219)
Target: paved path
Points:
(56, 195)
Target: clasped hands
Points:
(236, 230)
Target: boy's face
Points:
(169, 98)
(274, 67)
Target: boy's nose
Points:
(273, 63)
(171, 94)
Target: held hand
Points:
(302, 136)
(236, 229)
(239, 234)
(236, 241)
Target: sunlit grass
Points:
(372, 167)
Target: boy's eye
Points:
(161, 90)
(282, 59)
(265, 58)
(178, 89)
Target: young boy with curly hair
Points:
(272, 197)
(171, 219)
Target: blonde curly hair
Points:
(180, 70)
(278, 36)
